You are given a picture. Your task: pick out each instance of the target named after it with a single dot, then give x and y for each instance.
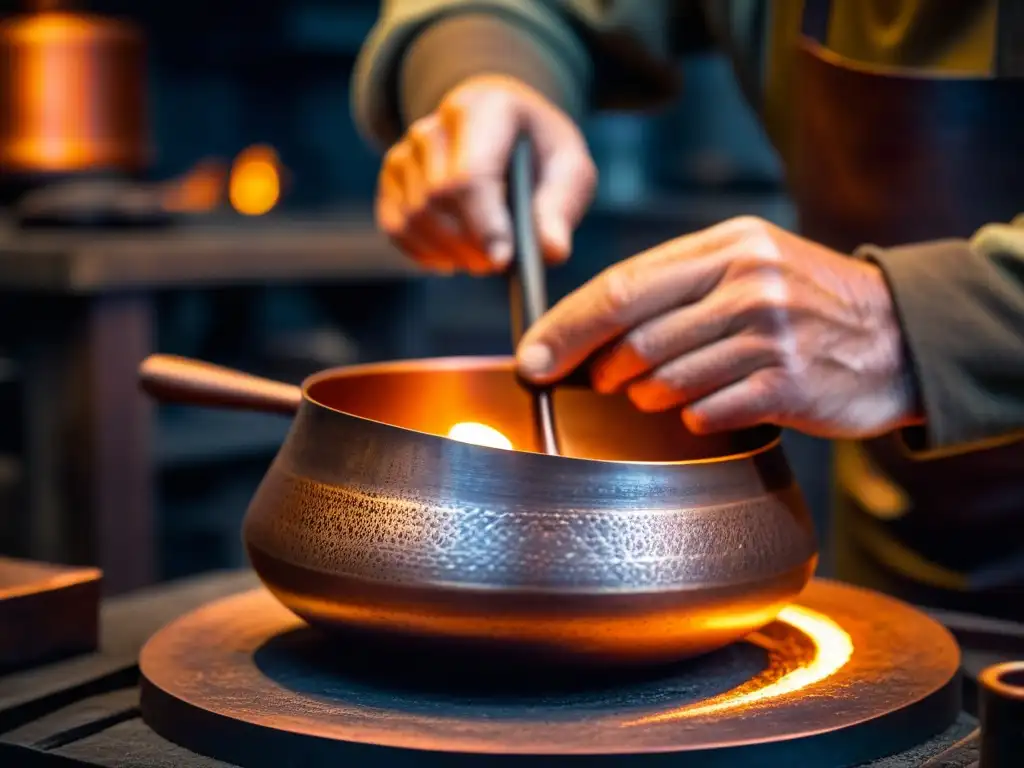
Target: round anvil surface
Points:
(845, 676)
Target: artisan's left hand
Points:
(741, 324)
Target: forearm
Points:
(961, 307)
(420, 49)
(487, 44)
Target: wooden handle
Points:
(175, 379)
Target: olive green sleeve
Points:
(961, 307)
(577, 52)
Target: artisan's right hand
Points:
(442, 191)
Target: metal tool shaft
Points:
(527, 284)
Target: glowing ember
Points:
(833, 647)
(255, 183)
(479, 434)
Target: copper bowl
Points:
(642, 543)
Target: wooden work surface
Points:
(46, 612)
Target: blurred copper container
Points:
(72, 94)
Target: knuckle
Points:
(397, 155)
(392, 226)
(643, 343)
(774, 296)
(647, 350)
(391, 219)
(388, 163)
(765, 302)
(756, 250)
(762, 250)
(424, 129)
(585, 169)
(751, 226)
(745, 223)
(455, 102)
(647, 342)
(757, 255)
(771, 347)
(746, 228)
(775, 392)
(488, 100)
(618, 291)
(763, 391)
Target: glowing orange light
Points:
(198, 191)
(479, 434)
(833, 648)
(255, 185)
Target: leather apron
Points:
(891, 157)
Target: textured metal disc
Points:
(844, 677)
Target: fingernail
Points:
(500, 252)
(535, 359)
(692, 421)
(653, 396)
(602, 383)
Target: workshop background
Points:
(260, 253)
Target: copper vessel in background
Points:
(72, 94)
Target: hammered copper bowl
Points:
(642, 543)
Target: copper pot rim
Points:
(500, 363)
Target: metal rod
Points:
(527, 285)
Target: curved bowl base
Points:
(621, 628)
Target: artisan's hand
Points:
(441, 194)
(739, 325)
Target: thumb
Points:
(565, 189)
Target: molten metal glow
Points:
(832, 646)
(255, 184)
(479, 434)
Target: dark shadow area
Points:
(366, 672)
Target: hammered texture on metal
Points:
(346, 531)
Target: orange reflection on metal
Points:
(255, 185)
(827, 650)
(479, 434)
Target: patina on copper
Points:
(640, 543)
(845, 676)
